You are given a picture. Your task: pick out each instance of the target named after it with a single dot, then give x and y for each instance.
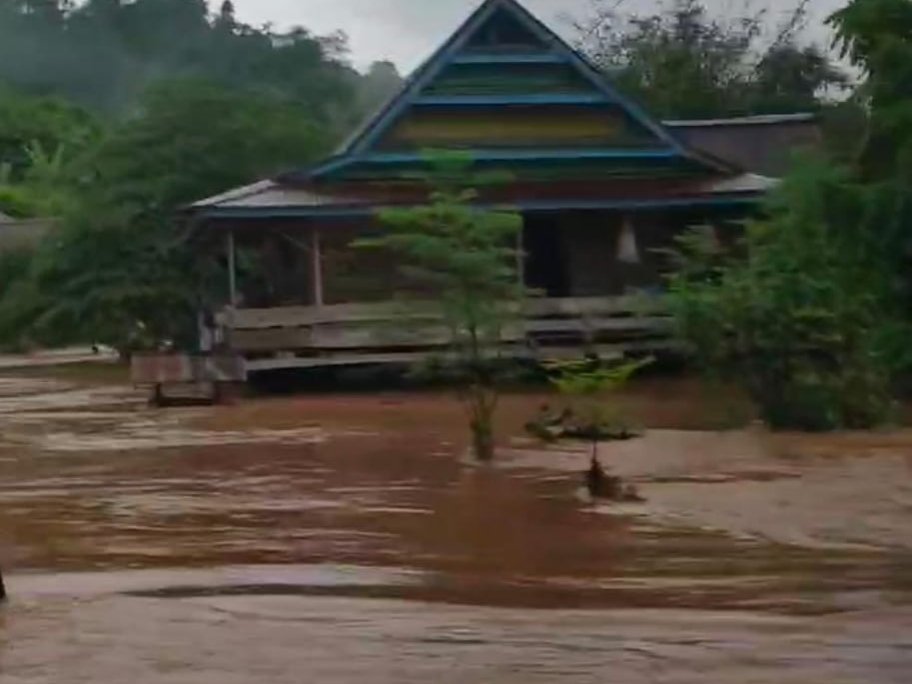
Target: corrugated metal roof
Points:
(760, 120)
(236, 193)
(269, 195)
(265, 194)
(747, 182)
(762, 145)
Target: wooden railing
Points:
(388, 333)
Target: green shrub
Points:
(802, 314)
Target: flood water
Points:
(348, 539)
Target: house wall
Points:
(571, 254)
(591, 252)
(590, 242)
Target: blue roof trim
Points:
(532, 58)
(448, 53)
(356, 211)
(507, 100)
(417, 82)
(593, 75)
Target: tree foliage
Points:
(104, 53)
(877, 36)
(115, 114)
(191, 138)
(813, 315)
(118, 265)
(380, 82)
(586, 385)
(463, 260)
(804, 314)
(683, 62)
(48, 124)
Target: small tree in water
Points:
(462, 260)
(588, 415)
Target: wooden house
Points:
(602, 187)
(17, 234)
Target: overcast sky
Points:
(407, 31)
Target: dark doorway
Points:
(546, 262)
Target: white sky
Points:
(407, 31)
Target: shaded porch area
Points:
(299, 295)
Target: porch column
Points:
(521, 258)
(232, 270)
(316, 267)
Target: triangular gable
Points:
(502, 30)
(509, 89)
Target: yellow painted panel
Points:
(504, 128)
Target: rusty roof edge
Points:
(234, 194)
(758, 120)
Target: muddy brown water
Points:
(348, 539)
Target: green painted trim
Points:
(356, 211)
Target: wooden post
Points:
(521, 258)
(316, 263)
(232, 270)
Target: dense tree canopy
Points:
(683, 62)
(103, 53)
(815, 322)
(187, 139)
(46, 122)
(117, 259)
(877, 36)
(807, 323)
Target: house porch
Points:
(299, 295)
